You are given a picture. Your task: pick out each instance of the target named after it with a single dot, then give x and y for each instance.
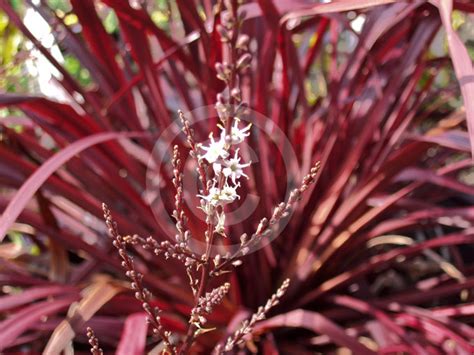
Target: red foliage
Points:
(379, 252)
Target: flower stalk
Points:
(220, 190)
(220, 168)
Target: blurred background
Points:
(379, 251)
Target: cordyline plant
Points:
(219, 189)
(378, 249)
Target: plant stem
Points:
(205, 273)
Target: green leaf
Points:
(111, 22)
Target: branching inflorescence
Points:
(220, 168)
(141, 293)
(247, 325)
(94, 342)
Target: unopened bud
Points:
(243, 42)
(244, 61)
(236, 94)
(220, 71)
(237, 263)
(224, 33)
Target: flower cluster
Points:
(228, 168)
(207, 303)
(222, 154)
(247, 325)
(94, 342)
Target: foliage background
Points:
(379, 252)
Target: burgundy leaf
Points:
(34, 182)
(462, 64)
(133, 338)
(317, 323)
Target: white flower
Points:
(215, 150)
(213, 197)
(233, 168)
(217, 197)
(222, 111)
(229, 193)
(237, 135)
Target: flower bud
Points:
(221, 74)
(242, 16)
(222, 111)
(228, 4)
(243, 42)
(236, 94)
(227, 19)
(244, 61)
(237, 263)
(223, 33)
